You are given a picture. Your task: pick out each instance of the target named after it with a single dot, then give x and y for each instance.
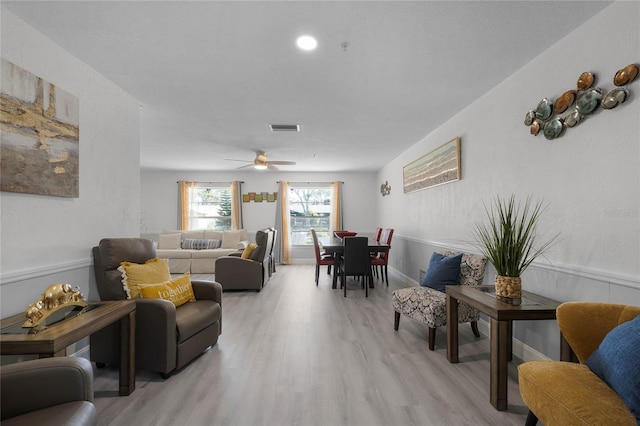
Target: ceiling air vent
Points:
(284, 127)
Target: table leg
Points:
(510, 340)
(499, 363)
(127, 354)
(452, 329)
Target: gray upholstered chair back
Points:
(263, 241)
(106, 260)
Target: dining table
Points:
(335, 247)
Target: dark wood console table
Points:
(54, 339)
(482, 298)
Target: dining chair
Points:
(377, 234)
(356, 262)
(321, 258)
(382, 259)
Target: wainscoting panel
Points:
(533, 339)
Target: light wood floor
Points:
(297, 354)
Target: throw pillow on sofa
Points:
(231, 239)
(169, 241)
(154, 270)
(200, 244)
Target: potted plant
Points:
(508, 241)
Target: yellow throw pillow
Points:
(179, 290)
(246, 253)
(153, 271)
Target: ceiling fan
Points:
(261, 162)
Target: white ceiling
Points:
(212, 75)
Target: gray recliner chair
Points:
(167, 338)
(236, 273)
(49, 391)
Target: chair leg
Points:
(343, 282)
(396, 320)
(328, 269)
(365, 280)
(317, 274)
(474, 328)
(532, 419)
(386, 275)
(432, 338)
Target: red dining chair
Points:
(321, 258)
(382, 259)
(377, 234)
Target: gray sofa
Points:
(172, 246)
(167, 337)
(50, 391)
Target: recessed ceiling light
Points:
(306, 42)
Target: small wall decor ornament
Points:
(385, 188)
(547, 117)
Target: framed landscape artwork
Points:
(442, 165)
(39, 143)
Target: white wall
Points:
(48, 239)
(589, 177)
(160, 196)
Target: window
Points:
(209, 207)
(309, 208)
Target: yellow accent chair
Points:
(569, 393)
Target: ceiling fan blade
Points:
(270, 166)
(233, 159)
(283, 163)
(245, 166)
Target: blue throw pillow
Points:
(617, 362)
(443, 270)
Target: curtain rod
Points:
(308, 183)
(211, 183)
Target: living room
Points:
(588, 177)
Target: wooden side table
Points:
(54, 339)
(482, 298)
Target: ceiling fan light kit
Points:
(261, 162)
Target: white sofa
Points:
(176, 246)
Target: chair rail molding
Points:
(577, 270)
(41, 271)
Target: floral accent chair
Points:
(428, 305)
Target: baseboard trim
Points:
(519, 349)
(82, 352)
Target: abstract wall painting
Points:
(39, 141)
(442, 165)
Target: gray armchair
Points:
(236, 273)
(167, 338)
(51, 391)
